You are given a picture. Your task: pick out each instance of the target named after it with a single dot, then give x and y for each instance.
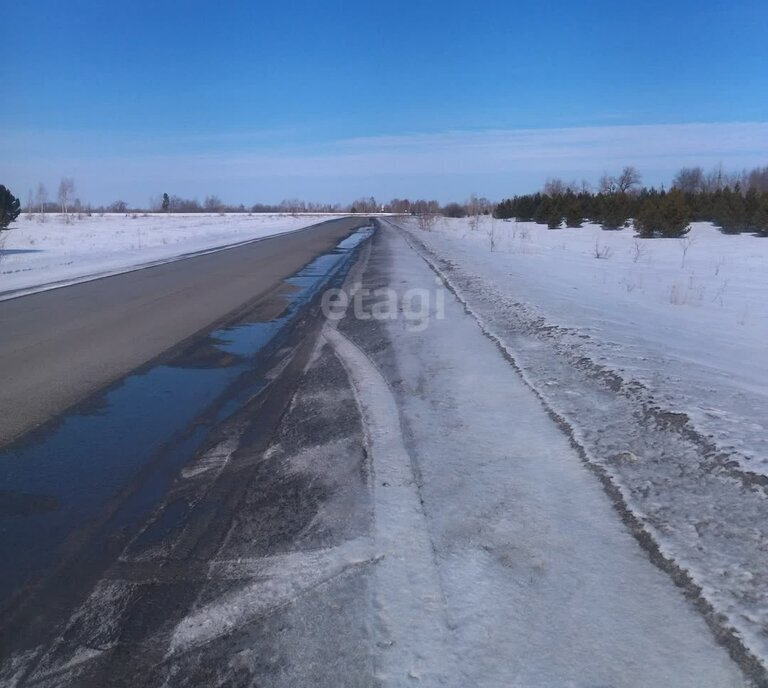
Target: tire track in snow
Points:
(411, 632)
(276, 581)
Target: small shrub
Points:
(602, 252)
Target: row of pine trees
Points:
(656, 213)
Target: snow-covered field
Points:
(687, 318)
(35, 254)
(653, 357)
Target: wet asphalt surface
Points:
(285, 471)
(59, 346)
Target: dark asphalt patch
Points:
(297, 484)
(143, 405)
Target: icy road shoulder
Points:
(543, 585)
(691, 501)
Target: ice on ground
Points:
(34, 253)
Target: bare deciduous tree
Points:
(29, 208)
(757, 179)
(718, 179)
(66, 191)
(554, 186)
(293, 206)
(714, 179)
(366, 205)
(41, 198)
(492, 235)
(400, 205)
(628, 180)
(213, 204)
(689, 180)
(427, 220)
(427, 213)
(474, 210)
(607, 184)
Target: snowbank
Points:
(38, 254)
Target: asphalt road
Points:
(396, 509)
(58, 346)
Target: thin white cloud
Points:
(438, 164)
(568, 146)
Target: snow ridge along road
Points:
(543, 584)
(411, 627)
(697, 517)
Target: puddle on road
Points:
(108, 463)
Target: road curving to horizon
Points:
(59, 346)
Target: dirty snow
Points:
(35, 254)
(543, 584)
(655, 362)
(411, 628)
(278, 580)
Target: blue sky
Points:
(331, 100)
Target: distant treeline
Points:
(213, 204)
(734, 202)
(38, 203)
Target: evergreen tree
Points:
(614, 211)
(10, 207)
(674, 215)
(543, 210)
(721, 212)
(648, 219)
(739, 208)
(731, 212)
(505, 210)
(738, 211)
(760, 218)
(751, 204)
(555, 218)
(574, 215)
(526, 207)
